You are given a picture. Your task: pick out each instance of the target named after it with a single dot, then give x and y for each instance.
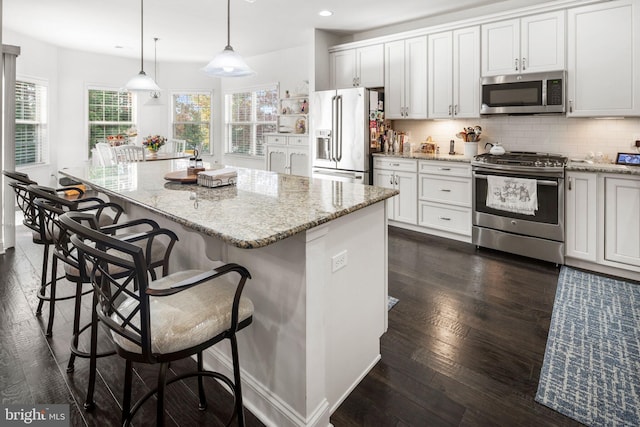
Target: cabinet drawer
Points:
(276, 139)
(395, 164)
(445, 190)
(444, 168)
(298, 140)
(447, 218)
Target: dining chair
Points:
(175, 146)
(130, 153)
(105, 153)
(164, 320)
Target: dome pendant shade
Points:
(228, 63)
(142, 82)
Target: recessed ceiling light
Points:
(325, 13)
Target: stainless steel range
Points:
(518, 204)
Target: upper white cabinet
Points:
(603, 59)
(527, 45)
(360, 67)
(405, 78)
(454, 74)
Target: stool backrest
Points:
(129, 153)
(106, 155)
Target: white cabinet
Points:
(444, 194)
(581, 215)
(454, 74)
(405, 78)
(622, 220)
(604, 59)
(288, 154)
(526, 45)
(400, 174)
(359, 67)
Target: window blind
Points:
(31, 124)
(249, 115)
(110, 113)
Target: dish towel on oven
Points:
(516, 195)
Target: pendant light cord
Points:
(228, 23)
(141, 35)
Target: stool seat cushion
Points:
(188, 318)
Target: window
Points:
(110, 113)
(249, 114)
(191, 119)
(31, 123)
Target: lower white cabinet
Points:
(288, 154)
(445, 198)
(622, 220)
(581, 207)
(399, 174)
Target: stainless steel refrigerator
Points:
(341, 140)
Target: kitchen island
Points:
(317, 252)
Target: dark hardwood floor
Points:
(464, 347)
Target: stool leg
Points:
(162, 382)
(76, 325)
(88, 403)
(52, 295)
(126, 400)
(236, 379)
(203, 399)
(43, 280)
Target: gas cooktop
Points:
(520, 159)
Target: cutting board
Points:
(183, 176)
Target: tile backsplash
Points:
(573, 137)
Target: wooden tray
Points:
(182, 176)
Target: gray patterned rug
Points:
(591, 369)
(391, 301)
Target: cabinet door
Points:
(603, 59)
(440, 89)
(501, 48)
(407, 202)
(466, 73)
(277, 159)
(581, 213)
(384, 178)
(622, 220)
(342, 71)
(370, 66)
(415, 90)
(542, 46)
(298, 161)
(394, 80)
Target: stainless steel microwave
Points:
(535, 93)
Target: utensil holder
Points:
(470, 149)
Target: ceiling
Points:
(194, 30)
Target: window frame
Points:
(254, 123)
(44, 152)
(88, 123)
(172, 111)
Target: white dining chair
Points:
(105, 153)
(175, 146)
(130, 153)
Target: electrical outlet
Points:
(338, 261)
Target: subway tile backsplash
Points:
(573, 137)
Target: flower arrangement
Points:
(154, 142)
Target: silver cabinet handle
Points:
(571, 105)
(391, 179)
(445, 190)
(524, 64)
(516, 64)
(394, 164)
(569, 182)
(444, 218)
(396, 176)
(444, 169)
(450, 110)
(455, 110)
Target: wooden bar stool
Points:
(164, 320)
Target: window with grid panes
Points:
(31, 123)
(110, 113)
(191, 119)
(249, 115)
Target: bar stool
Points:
(156, 243)
(150, 325)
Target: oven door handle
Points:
(538, 181)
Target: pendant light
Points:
(141, 82)
(228, 63)
(155, 95)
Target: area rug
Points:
(591, 368)
(391, 301)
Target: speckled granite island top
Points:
(424, 156)
(263, 208)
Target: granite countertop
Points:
(424, 156)
(582, 166)
(261, 209)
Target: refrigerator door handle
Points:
(338, 156)
(334, 127)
